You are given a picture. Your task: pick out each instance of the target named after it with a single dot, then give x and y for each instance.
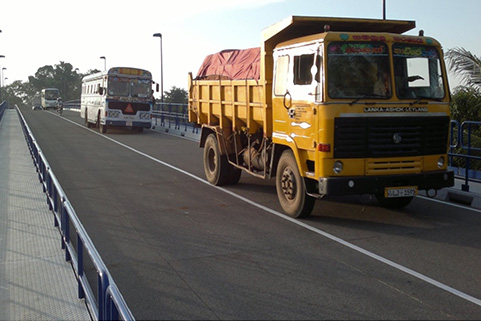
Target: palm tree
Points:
(465, 65)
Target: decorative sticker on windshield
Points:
(415, 51)
(357, 49)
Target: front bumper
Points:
(376, 184)
(123, 123)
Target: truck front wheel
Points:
(216, 166)
(291, 187)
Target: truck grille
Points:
(122, 105)
(379, 137)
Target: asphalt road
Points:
(179, 248)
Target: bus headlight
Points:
(337, 167)
(144, 116)
(113, 113)
(441, 162)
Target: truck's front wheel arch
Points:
(292, 188)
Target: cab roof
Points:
(299, 26)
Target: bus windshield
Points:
(358, 70)
(119, 86)
(51, 94)
(141, 88)
(417, 72)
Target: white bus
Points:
(48, 97)
(120, 97)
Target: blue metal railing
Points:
(3, 106)
(72, 104)
(461, 137)
(172, 115)
(109, 303)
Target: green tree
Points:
(18, 93)
(62, 76)
(176, 95)
(465, 65)
(466, 104)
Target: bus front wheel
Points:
(102, 128)
(89, 125)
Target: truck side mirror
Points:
(100, 90)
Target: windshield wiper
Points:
(419, 98)
(364, 96)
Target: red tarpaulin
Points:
(231, 64)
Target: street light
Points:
(161, 69)
(1, 71)
(2, 75)
(105, 62)
(1, 56)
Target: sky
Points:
(36, 33)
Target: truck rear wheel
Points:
(291, 187)
(216, 166)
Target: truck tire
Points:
(217, 168)
(395, 203)
(291, 188)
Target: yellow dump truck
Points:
(327, 106)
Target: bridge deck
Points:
(36, 283)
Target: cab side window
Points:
(280, 81)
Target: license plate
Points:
(129, 123)
(395, 192)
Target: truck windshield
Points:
(417, 72)
(358, 70)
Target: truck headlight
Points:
(337, 167)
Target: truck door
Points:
(302, 92)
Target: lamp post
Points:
(1, 77)
(105, 62)
(383, 9)
(161, 69)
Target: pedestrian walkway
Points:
(36, 283)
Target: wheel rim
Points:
(211, 160)
(288, 184)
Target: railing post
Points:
(66, 223)
(465, 186)
(80, 266)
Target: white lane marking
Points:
(464, 207)
(336, 239)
